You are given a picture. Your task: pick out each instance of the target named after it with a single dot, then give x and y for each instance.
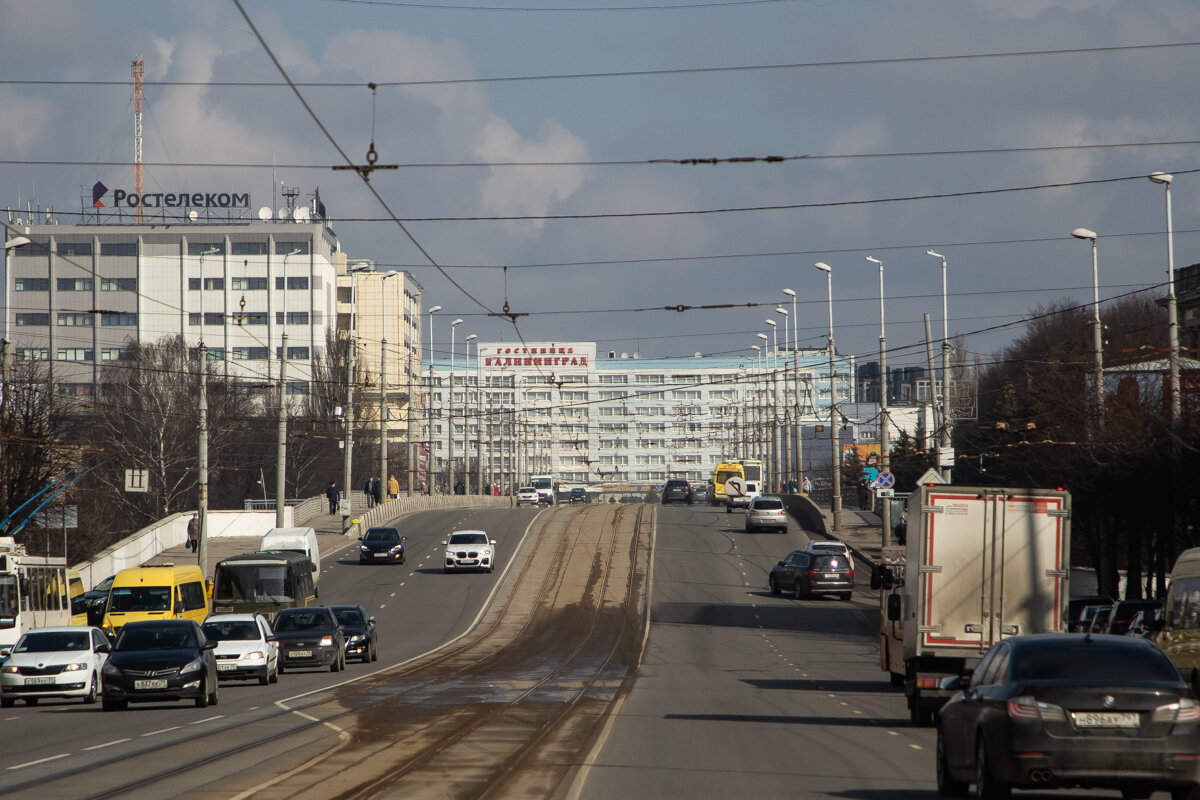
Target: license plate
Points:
(226, 667)
(38, 681)
(381, 555)
(1105, 719)
(300, 654)
(156, 683)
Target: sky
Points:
(546, 136)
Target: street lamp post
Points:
(944, 443)
(774, 390)
(348, 445)
(383, 409)
(450, 413)
(799, 430)
(835, 500)
(1097, 338)
(429, 409)
(1172, 310)
(885, 505)
(785, 436)
(760, 410)
(281, 428)
(466, 451)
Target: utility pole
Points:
(885, 505)
(202, 465)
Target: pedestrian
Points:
(369, 491)
(807, 485)
(393, 488)
(378, 490)
(334, 495)
(193, 532)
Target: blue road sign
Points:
(887, 480)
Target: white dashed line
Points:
(164, 730)
(892, 733)
(916, 746)
(107, 744)
(210, 719)
(39, 761)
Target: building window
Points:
(33, 353)
(119, 319)
(650, 379)
(248, 284)
(250, 353)
(114, 354)
(248, 248)
(251, 319)
(296, 282)
(614, 379)
(214, 353)
(118, 248)
(74, 389)
(75, 354)
(31, 284)
(293, 318)
(284, 248)
(206, 248)
(73, 248)
(211, 284)
(74, 284)
(686, 395)
(76, 320)
(210, 318)
(38, 318)
(118, 284)
(297, 388)
(293, 352)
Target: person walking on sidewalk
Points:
(193, 532)
(393, 488)
(369, 491)
(334, 496)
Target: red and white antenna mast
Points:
(137, 132)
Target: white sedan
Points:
(63, 661)
(245, 646)
(527, 494)
(470, 550)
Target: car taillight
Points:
(812, 573)
(1026, 707)
(848, 573)
(1184, 710)
(753, 513)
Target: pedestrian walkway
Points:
(327, 526)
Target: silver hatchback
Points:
(766, 513)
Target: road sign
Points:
(137, 480)
(930, 476)
(735, 487)
(885, 492)
(887, 480)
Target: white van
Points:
(296, 540)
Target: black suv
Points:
(677, 490)
(578, 496)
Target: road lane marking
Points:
(915, 746)
(107, 744)
(164, 730)
(210, 719)
(383, 605)
(39, 761)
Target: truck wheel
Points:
(947, 785)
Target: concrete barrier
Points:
(403, 506)
(806, 512)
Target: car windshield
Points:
(104, 585)
(252, 582)
(527, 489)
(1091, 662)
(382, 536)
(302, 621)
(350, 616)
(174, 637)
(140, 598)
(468, 538)
(51, 641)
(768, 503)
(235, 631)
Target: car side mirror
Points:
(103, 648)
(360, 538)
(781, 564)
(272, 638)
(404, 538)
(493, 541)
(209, 645)
(893, 607)
(371, 621)
(444, 544)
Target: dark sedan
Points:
(381, 546)
(677, 490)
(362, 640)
(96, 601)
(160, 660)
(309, 637)
(1049, 711)
(804, 574)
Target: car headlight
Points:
(357, 638)
(191, 666)
(110, 670)
(326, 641)
(10, 669)
(485, 552)
(365, 549)
(398, 548)
(74, 667)
(254, 655)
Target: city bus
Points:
(722, 473)
(33, 592)
(264, 582)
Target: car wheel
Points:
(114, 705)
(265, 678)
(728, 509)
(797, 592)
(274, 676)
(7, 702)
(986, 787)
(375, 653)
(336, 665)
(279, 670)
(946, 783)
(747, 528)
(774, 584)
(202, 700)
(212, 697)
(846, 596)
(90, 697)
(31, 701)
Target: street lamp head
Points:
(770, 322)
(1161, 177)
(781, 310)
(16, 241)
(756, 347)
(360, 267)
(456, 322)
(874, 260)
(762, 336)
(789, 292)
(821, 265)
(1084, 233)
(435, 308)
(935, 255)
(471, 336)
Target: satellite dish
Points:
(193, 216)
(264, 213)
(301, 214)
(284, 213)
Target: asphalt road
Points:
(416, 607)
(743, 694)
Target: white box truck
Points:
(980, 563)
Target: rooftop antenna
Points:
(137, 133)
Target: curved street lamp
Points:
(1097, 339)
(835, 500)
